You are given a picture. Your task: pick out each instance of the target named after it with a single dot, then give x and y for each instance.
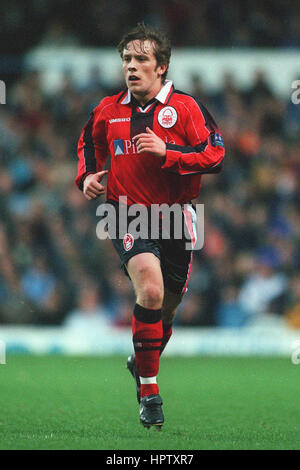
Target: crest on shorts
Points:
(167, 117)
(128, 241)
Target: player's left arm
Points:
(205, 152)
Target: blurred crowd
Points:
(208, 23)
(53, 268)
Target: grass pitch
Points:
(56, 402)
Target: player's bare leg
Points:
(145, 272)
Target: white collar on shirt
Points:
(161, 95)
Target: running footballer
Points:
(161, 141)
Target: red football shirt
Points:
(194, 147)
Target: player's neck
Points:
(144, 99)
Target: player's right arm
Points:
(92, 154)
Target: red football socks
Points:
(149, 389)
(147, 335)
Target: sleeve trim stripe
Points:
(188, 149)
(214, 169)
(88, 147)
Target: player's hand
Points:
(92, 187)
(150, 142)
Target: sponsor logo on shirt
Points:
(128, 147)
(112, 121)
(124, 147)
(167, 117)
(119, 147)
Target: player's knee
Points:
(151, 296)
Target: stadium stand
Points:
(49, 252)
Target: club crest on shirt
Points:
(128, 241)
(167, 117)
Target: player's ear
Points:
(161, 69)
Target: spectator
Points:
(262, 287)
(89, 313)
(292, 311)
(230, 312)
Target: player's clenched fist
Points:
(92, 187)
(150, 142)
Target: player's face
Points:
(141, 72)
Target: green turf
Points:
(56, 402)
